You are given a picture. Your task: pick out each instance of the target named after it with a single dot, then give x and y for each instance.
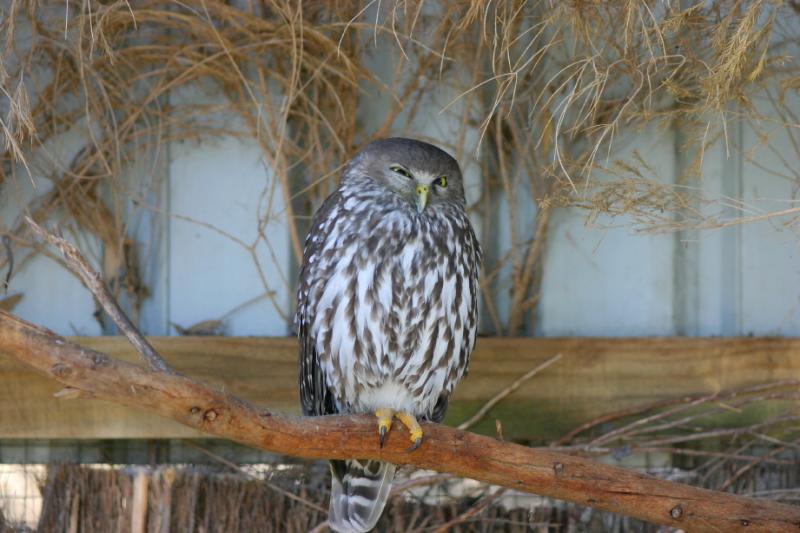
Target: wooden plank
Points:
(594, 376)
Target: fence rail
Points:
(593, 377)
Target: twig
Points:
(166, 478)
(139, 507)
(75, 507)
(639, 422)
(236, 468)
(397, 490)
(10, 255)
(479, 506)
(745, 468)
(640, 425)
(319, 528)
(500, 396)
(91, 279)
(715, 433)
(412, 483)
(660, 404)
(728, 456)
(717, 464)
(611, 417)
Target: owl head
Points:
(418, 172)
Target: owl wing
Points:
(439, 409)
(359, 489)
(315, 396)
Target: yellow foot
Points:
(385, 416)
(414, 428)
(384, 422)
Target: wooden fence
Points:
(594, 376)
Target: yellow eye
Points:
(400, 170)
(441, 182)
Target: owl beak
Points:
(422, 197)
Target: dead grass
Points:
(548, 88)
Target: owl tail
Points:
(359, 492)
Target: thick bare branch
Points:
(445, 449)
(81, 268)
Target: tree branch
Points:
(444, 449)
(92, 280)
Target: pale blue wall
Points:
(600, 279)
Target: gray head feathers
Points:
(401, 165)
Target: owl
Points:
(387, 306)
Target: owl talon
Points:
(414, 429)
(385, 417)
(384, 423)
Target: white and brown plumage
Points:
(387, 305)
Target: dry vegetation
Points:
(538, 99)
(230, 499)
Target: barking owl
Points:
(386, 306)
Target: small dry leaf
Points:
(205, 328)
(8, 304)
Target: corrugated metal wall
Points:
(204, 256)
(738, 280)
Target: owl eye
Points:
(400, 170)
(441, 181)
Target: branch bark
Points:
(444, 449)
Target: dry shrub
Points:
(86, 498)
(548, 88)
